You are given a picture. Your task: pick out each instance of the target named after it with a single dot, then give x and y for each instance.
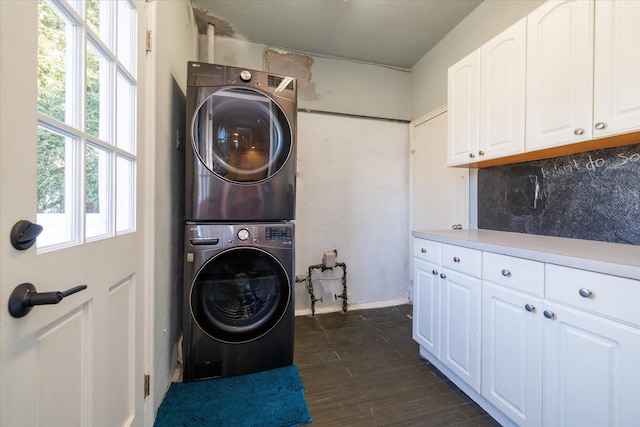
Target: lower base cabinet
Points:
(591, 370)
(534, 344)
(426, 306)
(461, 326)
(512, 353)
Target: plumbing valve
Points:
(329, 259)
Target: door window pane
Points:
(125, 113)
(87, 107)
(56, 179)
(99, 203)
(126, 33)
(99, 17)
(98, 94)
(125, 194)
(55, 64)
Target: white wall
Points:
(334, 85)
(174, 45)
(352, 195)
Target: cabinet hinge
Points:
(148, 40)
(147, 385)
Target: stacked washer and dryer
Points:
(239, 239)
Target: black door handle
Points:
(25, 296)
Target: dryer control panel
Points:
(278, 233)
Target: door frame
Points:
(150, 209)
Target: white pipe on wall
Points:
(211, 32)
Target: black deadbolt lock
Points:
(24, 234)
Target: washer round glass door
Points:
(241, 135)
(239, 295)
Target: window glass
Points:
(126, 33)
(125, 189)
(56, 177)
(98, 195)
(87, 120)
(55, 64)
(125, 113)
(99, 19)
(98, 94)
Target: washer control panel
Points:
(207, 236)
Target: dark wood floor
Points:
(362, 368)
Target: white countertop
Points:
(602, 257)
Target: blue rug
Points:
(272, 398)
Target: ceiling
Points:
(395, 33)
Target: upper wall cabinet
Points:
(616, 107)
(582, 86)
(464, 109)
(559, 74)
(486, 100)
(502, 91)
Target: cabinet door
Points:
(461, 326)
(559, 74)
(464, 109)
(426, 306)
(512, 353)
(591, 370)
(502, 89)
(617, 68)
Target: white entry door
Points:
(72, 158)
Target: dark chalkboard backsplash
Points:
(592, 196)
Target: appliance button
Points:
(243, 234)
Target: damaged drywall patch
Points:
(293, 65)
(203, 18)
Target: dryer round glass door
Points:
(241, 135)
(240, 295)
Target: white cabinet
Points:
(512, 353)
(461, 326)
(461, 293)
(570, 71)
(533, 343)
(486, 100)
(577, 88)
(426, 306)
(559, 74)
(502, 91)
(446, 310)
(591, 370)
(617, 68)
(512, 336)
(426, 295)
(591, 353)
(463, 99)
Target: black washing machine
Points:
(238, 296)
(241, 124)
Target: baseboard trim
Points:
(352, 307)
